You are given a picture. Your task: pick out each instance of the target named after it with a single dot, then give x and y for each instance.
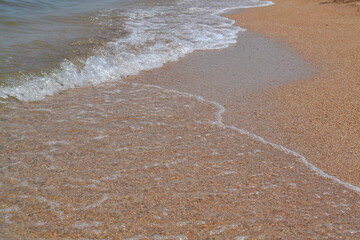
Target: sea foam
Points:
(156, 33)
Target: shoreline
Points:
(134, 161)
(317, 117)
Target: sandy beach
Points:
(310, 104)
(318, 117)
(180, 160)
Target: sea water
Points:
(131, 161)
(138, 162)
(50, 46)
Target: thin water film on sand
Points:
(139, 162)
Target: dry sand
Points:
(125, 161)
(319, 117)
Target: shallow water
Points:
(36, 35)
(132, 161)
(146, 163)
(58, 45)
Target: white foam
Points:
(224, 173)
(219, 121)
(83, 225)
(158, 237)
(52, 205)
(223, 228)
(96, 204)
(156, 34)
(10, 209)
(99, 137)
(62, 142)
(241, 237)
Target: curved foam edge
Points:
(110, 65)
(219, 121)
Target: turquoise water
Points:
(50, 46)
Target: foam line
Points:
(219, 121)
(150, 42)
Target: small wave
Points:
(157, 34)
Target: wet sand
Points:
(253, 64)
(129, 161)
(237, 78)
(318, 117)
